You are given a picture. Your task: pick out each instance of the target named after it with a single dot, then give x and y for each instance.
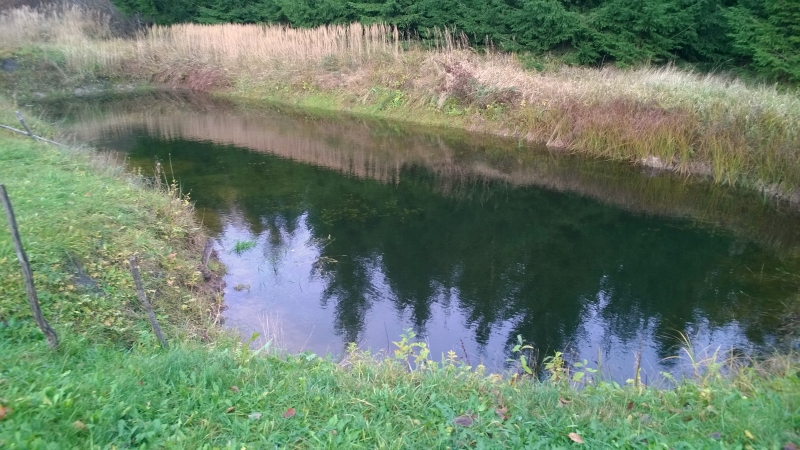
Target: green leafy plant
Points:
(556, 366)
(522, 348)
(243, 246)
(413, 353)
(580, 375)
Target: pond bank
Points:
(82, 216)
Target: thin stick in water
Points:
(52, 338)
(466, 355)
(388, 343)
(137, 279)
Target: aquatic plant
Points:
(243, 246)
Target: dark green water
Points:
(364, 229)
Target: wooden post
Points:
(137, 279)
(52, 338)
(24, 125)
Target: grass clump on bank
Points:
(662, 117)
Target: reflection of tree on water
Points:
(533, 258)
(351, 292)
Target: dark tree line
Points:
(762, 35)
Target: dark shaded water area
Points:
(363, 229)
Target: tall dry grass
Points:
(245, 46)
(664, 117)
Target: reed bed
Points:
(663, 117)
(249, 46)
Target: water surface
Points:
(364, 229)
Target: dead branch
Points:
(137, 279)
(52, 338)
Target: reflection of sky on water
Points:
(284, 301)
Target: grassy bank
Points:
(87, 396)
(661, 117)
(81, 219)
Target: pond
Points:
(337, 230)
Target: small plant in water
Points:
(241, 287)
(243, 246)
(407, 351)
(522, 348)
(555, 365)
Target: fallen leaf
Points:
(749, 435)
(630, 406)
(254, 416)
(289, 413)
(715, 435)
(790, 446)
(78, 425)
(5, 412)
(575, 437)
(465, 420)
(502, 413)
(563, 402)
(231, 409)
(645, 405)
(235, 388)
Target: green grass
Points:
(81, 218)
(223, 396)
